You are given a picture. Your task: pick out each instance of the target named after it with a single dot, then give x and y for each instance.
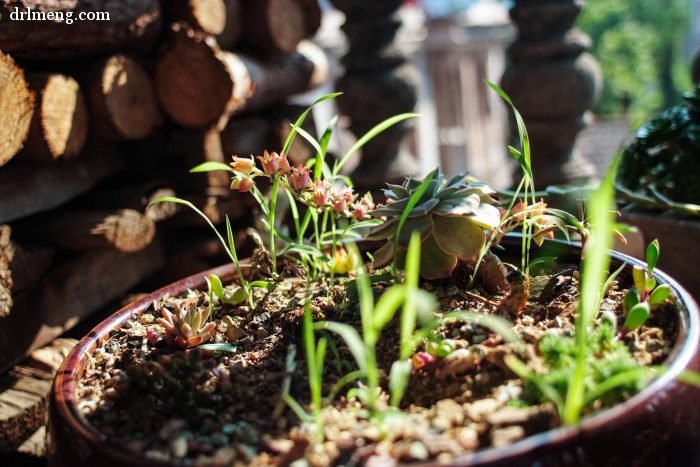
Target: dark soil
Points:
(199, 407)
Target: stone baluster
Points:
(378, 83)
(554, 82)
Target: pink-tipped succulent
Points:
(186, 328)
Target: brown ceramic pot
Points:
(658, 426)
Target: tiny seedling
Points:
(645, 295)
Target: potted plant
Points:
(433, 351)
(658, 186)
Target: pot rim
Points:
(64, 401)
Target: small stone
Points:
(452, 290)
(261, 333)
(505, 436)
(418, 451)
(478, 338)
(146, 318)
(468, 438)
(171, 427)
(480, 409)
(178, 447)
(233, 331)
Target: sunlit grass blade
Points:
(494, 323)
(211, 167)
(324, 142)
(290, 137)
(386, 124)
(593, 275)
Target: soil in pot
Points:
(225, 407)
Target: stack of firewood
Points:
(99, 118)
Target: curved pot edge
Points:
(686, 347)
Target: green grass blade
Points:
(386, 124)
(290, 137)
(351, 337)
(594, 269)
(211, 167)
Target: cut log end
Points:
(196, 82)
(209, 16)
(127, 230)
(274, 25)
(16, 108)
(60, 122)
(126, 98)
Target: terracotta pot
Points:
(658, 426)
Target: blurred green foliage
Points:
(639, 44)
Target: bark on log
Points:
(60, 122)
(124, 230)
(194, 147)
(244, 136)
(122, 100)
(137, 197)
(30, 263)
(24, 392)
(16, 108)
(133, 26)
(207, 16)
(273, 26)
(7, 253)
(68, 294)
(199, 84)
(52, 183)
(277, 78)
(234, 26)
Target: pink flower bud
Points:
(270, 162)
(283, 162)
(300, 178)
(321, 194)
(242, 184)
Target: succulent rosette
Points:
(452, 217)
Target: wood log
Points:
(34, 447)
(122, 100)
(277, 78)
(197, 83)
(247, 135)
(59, 125)
(124, 230)
(24, 392)
(234, 26)
(207, 16)
(29, 264)
(70, 29)
(236, 206)
(52, 183)
(7, 252)
(69, 293)
(194, 147)
(313, 15)
(16, 108)
(137, 196)
(273, 26)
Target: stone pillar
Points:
(554, 82)
(378, 83)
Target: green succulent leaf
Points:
(640, 281)
(659, 295)
(383, 256)
(631, 299)
(637, 316)
(458, 236)
(422, 225)
(384, 230)
(434, 262)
